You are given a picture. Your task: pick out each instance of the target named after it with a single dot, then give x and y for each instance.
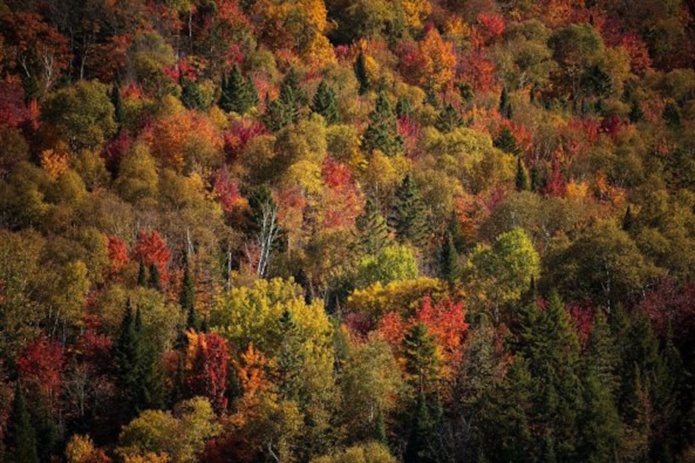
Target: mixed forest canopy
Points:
(347, 231)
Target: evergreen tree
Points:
(361, 73)
(277, 116)
(506, 142)
(137, 369)
(628, 220)
(155, 278)
(324, 103)
(374, 234)
(536, 179)
(603, 356)
(410, 216)
(142, 274)
(290, 358)
(421, 358)
(403, 108)
(636, 114)
(672, 115)
(432, 99)
(21, 434)
(238, 94)
(422, 430)
(505, 106)
(187, 296)
(448, 258)
(128, 357)
(521, 179)
(117, 102)
(191, 95)
(382, 132)
(448, 119)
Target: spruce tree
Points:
(128, 359)
(238, 94)
(21, 433)
(290, 358)
(422, 433)
(448, 259)
(505, 106)
(410, 216)
(448, 119)
(403, 108)
(672, 115)
(521, 179)
(187, 296)
(506, 142)
(361, 73)
(628, 220)
(421, 358)
(117, 102)
(382, 132)
(374, 234)
(155, 278)
(277, 116)
(191, 95)
(142, 274)
(324, 103)
(536, 179)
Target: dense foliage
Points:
(347, 231)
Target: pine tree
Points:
(238, 94)
(374, 234)
(117, 102)
(361, 73)
(277, 116)
(403, 108)
(324, 103)
(410, 216)
(421, 358)
(599, 423)
(432, 99)
(187, 296)
(448, 258)
(142, 274)
(191, 96)
(672, 115)
(628, 220)
(290, 358)
(155, 278)
(21, 434)
(128, 357)
(448, 119)
(423, 427)
(382, 132)
(636, 114)
(521, 179)
(506, 142)
(603, 356)
(505, 107)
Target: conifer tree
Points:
(290, 358)
(403, 108)
(505, 107)
(142, 274)
(448, 258)
(382, 132)
(187, 296)
(448, 119)
(603, 356)
(324, 103)
(422, 430)
(536, 179)
(421, 359)
(628, 220)
(361, 73)
(521, 179)
(374, 234)
(410, 215)
(155, 278)
(672, 115)
(128, 356)
(21, 433)
(506, 142)
(238, 94)
(117, 102)
(191, 96)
